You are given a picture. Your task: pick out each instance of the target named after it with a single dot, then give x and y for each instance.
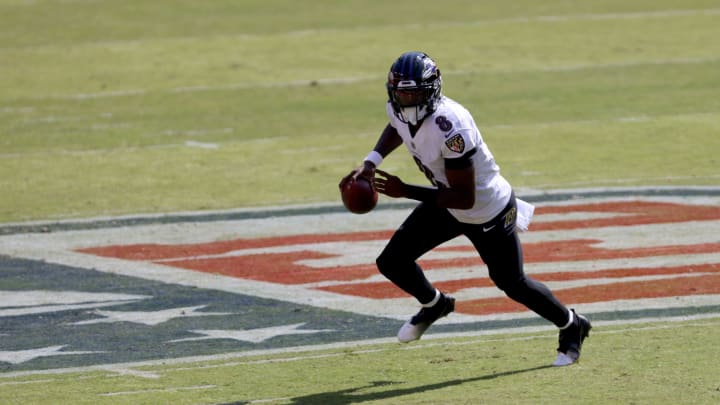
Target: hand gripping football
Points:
(359, 196)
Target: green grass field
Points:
(126, 107)
(112, 107)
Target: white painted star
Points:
(149, 318)
(16, 303)
(253, 335)
(21, 356)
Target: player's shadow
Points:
(352, 395)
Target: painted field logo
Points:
(605, 255)
(98, 292)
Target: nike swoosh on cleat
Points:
(488, 229)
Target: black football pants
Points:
(496, 241)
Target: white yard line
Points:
(27, 382)
(169, 389)
(120, 371)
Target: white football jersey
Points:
(450, 132)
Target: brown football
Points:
(359, 196)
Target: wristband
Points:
(374, 157)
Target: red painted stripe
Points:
(276, 268)
(161, 252)
(575, 250)
(709, 284)
(380, 290)
(643, 212)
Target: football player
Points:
(468, 197)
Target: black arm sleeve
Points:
(462, 162)
(421, 193)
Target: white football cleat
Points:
(563, 359)
(414, 328)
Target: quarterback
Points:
(467, 196)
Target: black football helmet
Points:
(414, 86)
